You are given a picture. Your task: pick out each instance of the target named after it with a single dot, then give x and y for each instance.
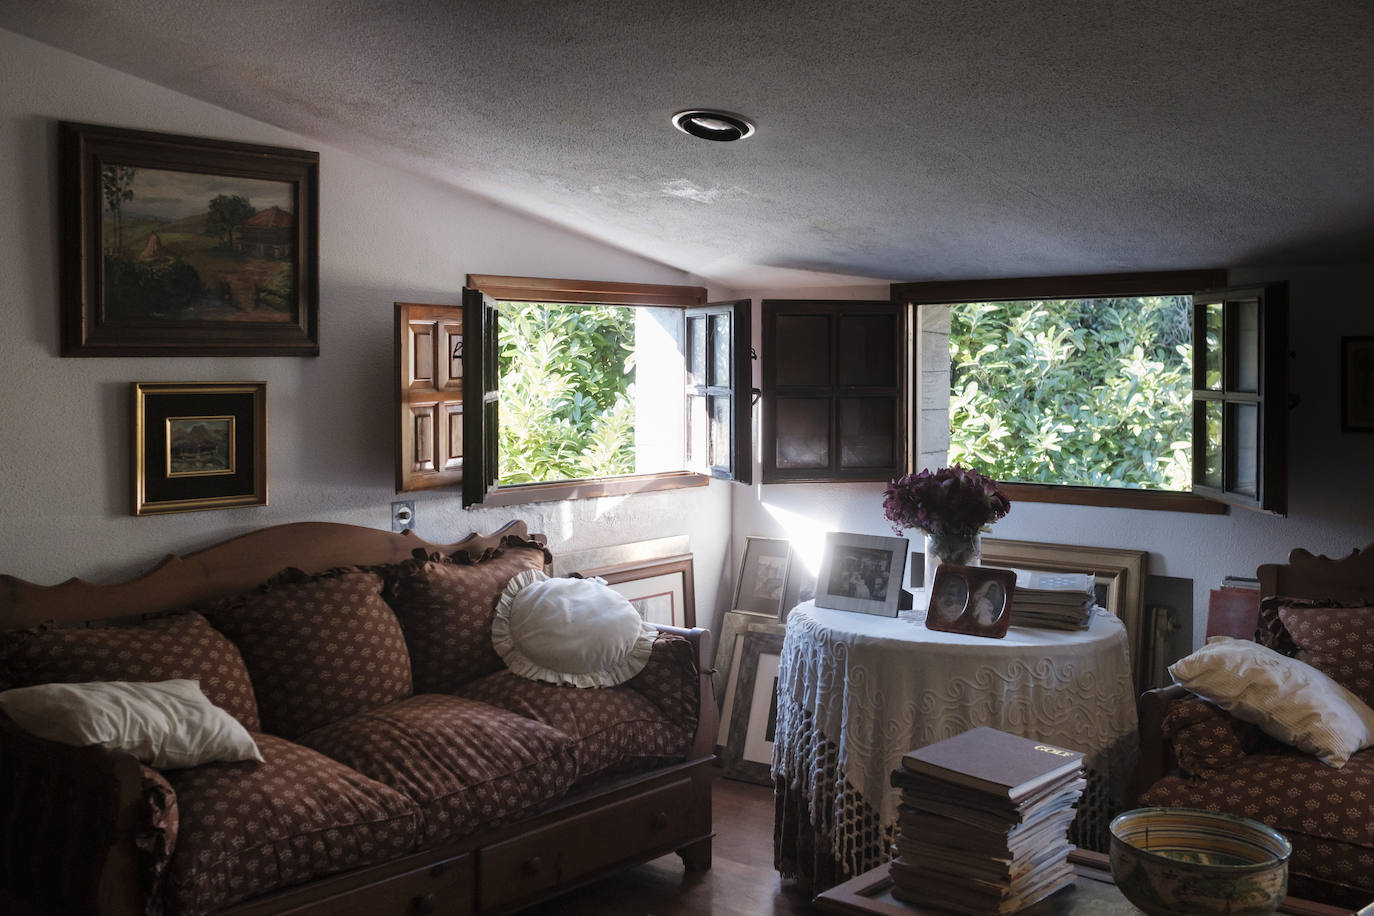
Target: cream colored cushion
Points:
(1288, 699)
(166, 724)
(569, 631)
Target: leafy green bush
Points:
(567, 408)
(158, 288)
(1090, 392)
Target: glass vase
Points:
(963, 549)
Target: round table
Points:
(856, 691)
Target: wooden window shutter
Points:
(429, 396)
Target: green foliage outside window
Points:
(567, 404)
(1087, 392)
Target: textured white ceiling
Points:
(897, 139)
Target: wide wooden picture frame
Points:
(1120, 575)
(861, 572)
(662, 590)
(184, 246)
(1357, 384)
(748, 754)
(199, 445)
(761, 584)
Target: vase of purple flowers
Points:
(952, 507)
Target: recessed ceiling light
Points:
(713, 125)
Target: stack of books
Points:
(983, 823)
(1056, 600)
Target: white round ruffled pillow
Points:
(569, 631)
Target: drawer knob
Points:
(658, 821)
(531, 865)
(425, 904)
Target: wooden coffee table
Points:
(1092, 893)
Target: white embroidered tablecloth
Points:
(856, 691)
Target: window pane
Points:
(1081, 392)
(698, 429)
(866, 355)
(803, 350)
(720, 350)
(1212, 380)
(866, 432)
(803, 433)
(1245, 428)
(720, 432)
(1246, 317)
(1211, 458)
(696, 348)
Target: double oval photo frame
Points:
(973, 600)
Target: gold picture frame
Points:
(199, 445)
(1120, 575)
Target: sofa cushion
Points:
(166, 648)
(1206, 738)
(616, 729)
(1337, 641)
(446, 606)
(672, 680)
(1328, 814)
(249, 828)
(466, 765)
(319, 647)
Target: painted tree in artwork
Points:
(117, 185)
(227, 213)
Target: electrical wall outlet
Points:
(403, 515)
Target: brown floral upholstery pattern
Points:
(1206, 738)
(1327, 814)
(1337, 641)
(446, 606)
(319, 647)
(466, 765)
(155, 837)
(615, 728)
(166, 648)
(670, 680)
(248, 828)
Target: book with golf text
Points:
(994, 762)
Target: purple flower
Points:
(950, 501)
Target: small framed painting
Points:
(754, 716)
(1357, 384)
(762, 581)
(661, 590)
(182, 246)
(861, 572)
(974, 600)
(199, 445)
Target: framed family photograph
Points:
(660, 589)
(973, 600)
(199, 445)
(861, 572)
(1357, 384)
(754, 717)
(761, 584)
(182, 246)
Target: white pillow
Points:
(569, 631)
(1288, 699)
(167, 724)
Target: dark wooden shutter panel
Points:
(481, 414)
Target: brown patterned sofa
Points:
(1195, 755)
(405, 769)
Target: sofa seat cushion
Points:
(249, 828)
(616, 729)
(162, 649)
(466, 765)
(319, 647)
(1327, 814)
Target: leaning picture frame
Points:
(748, 753)
(861, 572)
(661, 590)
(184, 246)
(199, 445)
(761, 584)
(1357, 384)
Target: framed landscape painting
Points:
(179, 246)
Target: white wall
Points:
(385, 236)
(1330, 479)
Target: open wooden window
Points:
(682, 419)
(834, 383)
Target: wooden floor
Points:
(741, 881)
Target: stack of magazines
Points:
(983, 824)
(1059, 601)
